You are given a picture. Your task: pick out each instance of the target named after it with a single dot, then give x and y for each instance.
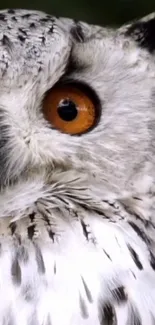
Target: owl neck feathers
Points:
(67, 190)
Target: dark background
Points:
(113, 12)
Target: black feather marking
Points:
(119, 295)
(16, 271)
(84, 228)
(11, 11)
(43, 40)
(144, 237)
(45, 20)
(51, 233)
(21, 30)
(2, 17)
(21, 38)
(143, 32)
(13, 227)
(55, 268)
(6, 42)
(31, 231)
(26, 16)
(135, 257)
(39, 260)
(14, 18)
(32, 216)
(32, 25)
(88, 293)
(107, 315)
(152, 261)
(139, 232)
(133, 274)
(31, 227)
(50, 31)
(107, 255)
(83, 307)
(4, 146)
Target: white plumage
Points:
(77, 224)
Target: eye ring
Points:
(72, 108)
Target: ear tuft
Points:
(77, 32)
(143, 32)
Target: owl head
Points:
(76, 101)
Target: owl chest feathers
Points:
(68, 258)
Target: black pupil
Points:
(67, 110)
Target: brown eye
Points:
(70, 110)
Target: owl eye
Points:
(70, 109)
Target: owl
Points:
(77, 171)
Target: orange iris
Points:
(69, 109)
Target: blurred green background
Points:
(113, 12)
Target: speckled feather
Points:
(77, 224)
